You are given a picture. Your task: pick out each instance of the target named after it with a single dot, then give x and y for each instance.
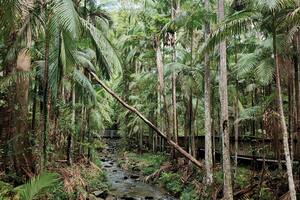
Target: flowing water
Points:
(126, 186)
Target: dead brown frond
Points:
(72, 178)
(285, 196)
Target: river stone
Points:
(110, 197)
(149, 198)
(136, 169)
(101, 194)
(128, 198)
(93, 197)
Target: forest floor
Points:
(79, 181)
(132, 175)
(186, 182)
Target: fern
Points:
(36, 185)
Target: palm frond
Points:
(265, 71)
(36, 185)
(84, 82)
(66, 16)
(106, 55)
(235, 24)
(247, 63)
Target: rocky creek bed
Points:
(125, 185)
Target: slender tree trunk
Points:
(186, 124)
(190, 125)
(282, 119)
(45, 100)
(33, 120)
(207, 107)
(297, 84)
(89, 135)
(175, 5)
(69, 139)
(236, 130)
(228, 194)
(159, 65)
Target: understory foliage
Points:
(218, 78)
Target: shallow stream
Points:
(126, 186)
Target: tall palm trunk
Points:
(23, 157)
(207, 108)
(34, 106)
(228, 194)
(45, 99)
(282, 119)
(159, 65)
(70, 138)
(297, 91)
(175, 6)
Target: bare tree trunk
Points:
(228, 194)
(282, 120)
(142, 117)
(207, 108)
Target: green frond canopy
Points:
(107, 57)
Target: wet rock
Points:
(136, 169)
(125, 177)
(149, 198)
(111, 163)
(115, 170)
(107, 166)
(103, 159)
(128, 198)
(93, 197)
(134, 176)
(110, 197)
(101, 194)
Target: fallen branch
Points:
(157, 173)
(134, 110)
(246, 190)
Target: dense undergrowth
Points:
(78, 181)
(185, 182)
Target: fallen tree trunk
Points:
(132, 109)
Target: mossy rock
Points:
(6, 191)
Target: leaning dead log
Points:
(134, 110)
(245, 191)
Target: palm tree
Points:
(207, 105)
(224, 123)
